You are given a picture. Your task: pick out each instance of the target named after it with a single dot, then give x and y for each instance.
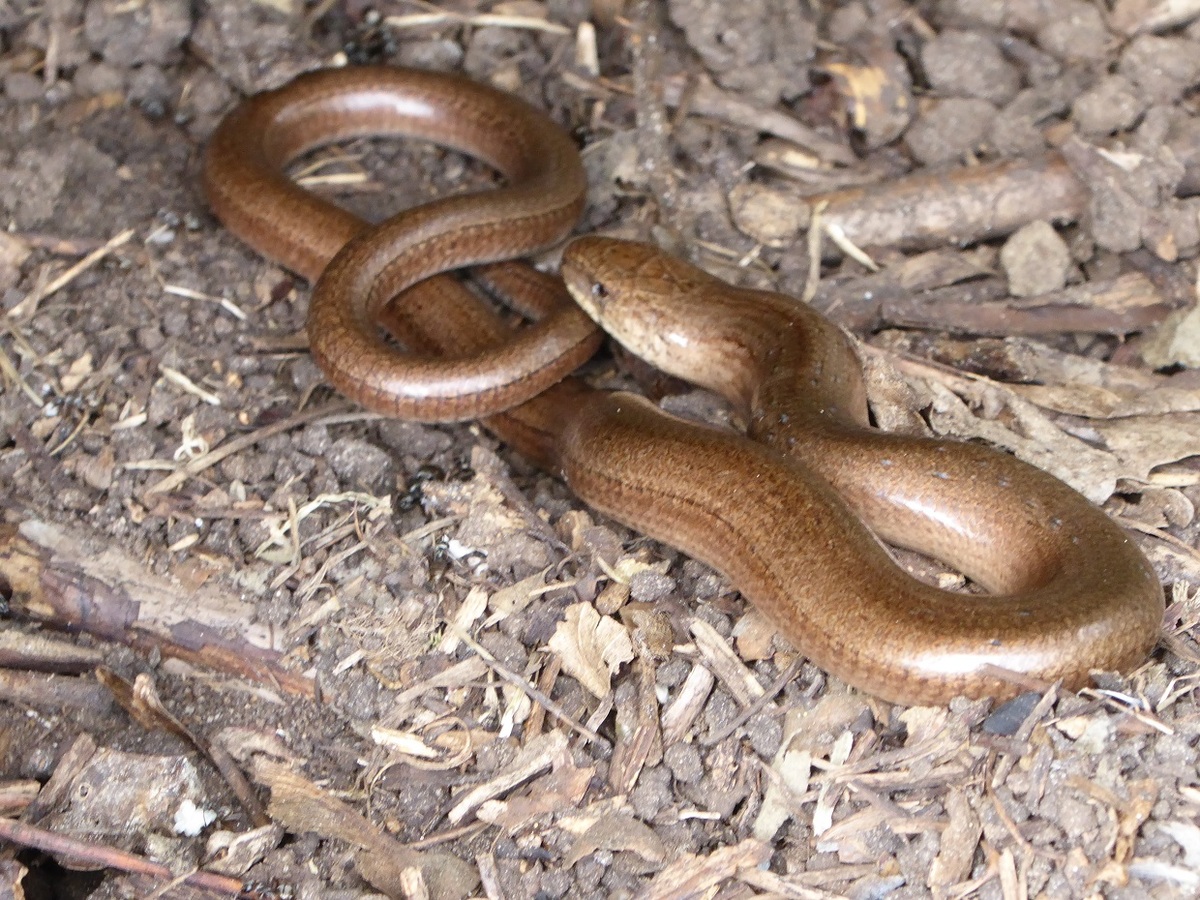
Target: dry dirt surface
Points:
(257, 639)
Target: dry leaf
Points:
(698, 876)
(300, 805)
(1032, 437)
(924, 723)
(591, 647)
(471, 609)
(1176, 341)
(1092, 401)
(958, 842)
(1145, 442)
(755, 636)
(618, 833)
(807, 734)
(793, 765)
(97, 471)
(1040, 442)
(577, 822)
(517, 707)
(13, 253)
(77, 373)
(515, 597)
(537, 755)
(556, 792)
(831, 792)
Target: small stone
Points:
(23, 87)
(950, 129)
(414, 439)
(1117, 219)
(684, 762)
(1181, 219)
(846, 22)
(652, 794)
(362, 466)
(314, 439)
(988, 13)
(1007, 717)
(647, 586)
(1112, 105)
(150, 87)
(1178, 341)
(439, 55)
(128, 34)
(1161, 68)
(1035, 260)
(1015, 133)
(765, 734)
(770, 216)
(305, 374)
(95, 78)
(97, 471)
(1075, 32)
(968, 64)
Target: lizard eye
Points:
(599, 291)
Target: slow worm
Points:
(247, 189)
(781, 515)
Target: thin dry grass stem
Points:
(1036, 716)
(1012, 828)
(410, 749)
(284, 536)
(331, 413)
(750, 257)
(1158, 534)
(781, 681)
(967, 888)
(738, 259)
(1179, 686)
(188, 386)
(178, 290)
(462, 673)
(720, 658)
(317, 579)
(313, 176)
(784, 887)
(29, 305)
(10, 374)
(429, 529)
(940, 745)
(815, 229)
(842, 241)
(532, 692)
(335, 179)
(1137, 707)
(66, 442)
(539, 753)
(450, 834)
(435, 15)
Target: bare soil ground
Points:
(353, 656)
